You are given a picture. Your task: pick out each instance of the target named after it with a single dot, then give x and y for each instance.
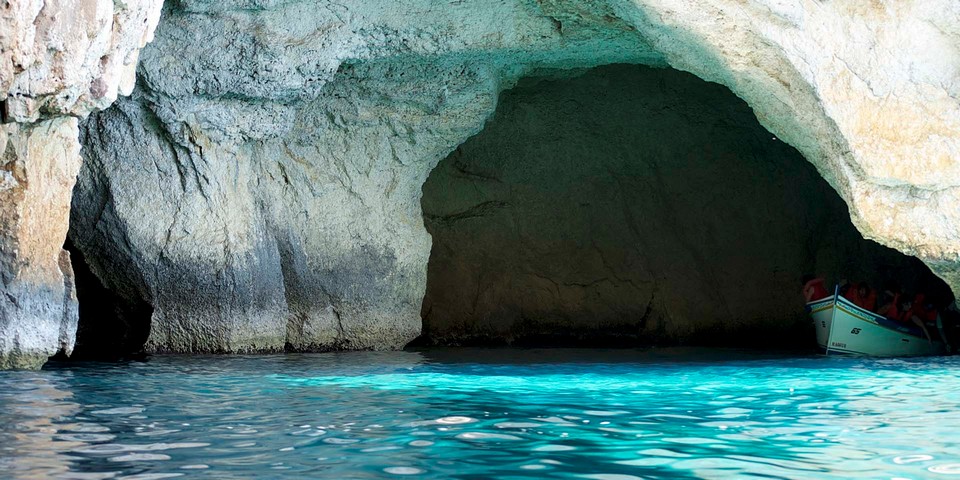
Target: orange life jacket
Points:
(894, 312)
(868, 303)
(819, 291)
(922, 313)
(853, 293)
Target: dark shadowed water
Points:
(476, 414)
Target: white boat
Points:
(844, 328)
(821, 311)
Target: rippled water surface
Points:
(485, 414)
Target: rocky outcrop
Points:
(58, 61)
(69, 58)
(868, 93)
(633, 205)
(38, 303)
(261, 189)
(262, 192)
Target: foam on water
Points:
(485, 414)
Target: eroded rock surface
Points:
(38, 311)
(58, 61)
(262, 187)
(631, 206)
(268, 197)
(69, 57)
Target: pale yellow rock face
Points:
(49, 170)
(38, 313)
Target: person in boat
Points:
(910, 312)
(924, 310)
(843, 287)
(862, 296)
(950, 317)
(813, 288)
(889, 306)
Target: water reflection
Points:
(444, 414)
(31, 445)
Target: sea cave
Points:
(593, 239)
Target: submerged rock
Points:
(261, 189)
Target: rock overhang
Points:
(324, 112)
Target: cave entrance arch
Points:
(629, 205)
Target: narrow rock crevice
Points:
(476, 211)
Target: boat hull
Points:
(844, 328)
(821, 311)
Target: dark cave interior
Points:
(629, 206)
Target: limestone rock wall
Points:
(237, 248)
(268, 196)
(58, 61)
(633, 205)
(68, 57)
(868, 92)
(262, 186)
(38, 311)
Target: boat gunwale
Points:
(873, 318)
(879, 320)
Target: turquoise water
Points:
(475, 414)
